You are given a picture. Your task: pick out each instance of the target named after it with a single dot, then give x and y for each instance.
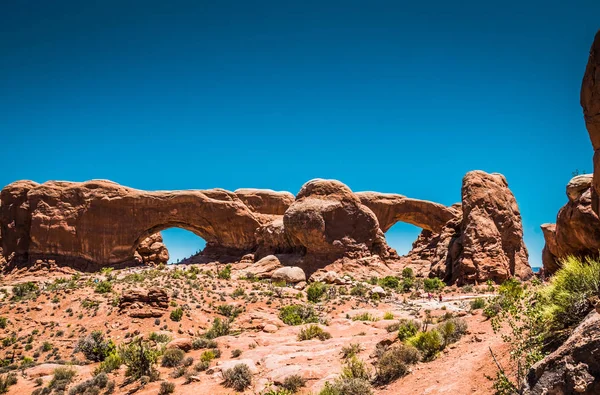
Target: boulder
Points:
(144, 303)
(289, 274)
(574, 368)
(152, 250)
(265, 267)
(578, 185)
(182, 343)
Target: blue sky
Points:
(392, 96)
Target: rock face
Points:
(574, 368)
(289, 274)
(391, 208)
(577, 232)
(328, 221)
(590, 102)
(144, 303)
(103, 223)
(484, 239)
(152, 251)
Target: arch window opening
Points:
(181, 244)
(401, 236)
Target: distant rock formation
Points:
(152, 251)
(484, 240)
(577, 228)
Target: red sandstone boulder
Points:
(152, 251)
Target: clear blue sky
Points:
(392, 96)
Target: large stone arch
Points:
(392, 208)
(101, 222)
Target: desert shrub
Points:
(390, 282)
(433, 284)
(140, 358)
(429, 343)
(239, 377)
(356, 369)
(313, 331)
(229, 310)
(95, 347)
(354, 380)
(166, 387)
(315, 291)
(219, 328)
(62, 378)
(91, 386)
(388, 315)
(568, 297)
(159, 337)
(351, 350)
(452, 330)
(236, 353)
(225, 273)
(359, 290)
(297, 314)
(176, 314)
(394, 363)
(293, 383)
(364, 317)
(202, 342)
(110, 363)
(172, 357)
(24, 290)
(407, 328)
(407, 272)
(477, 303)
(3, 322)
(7, 381)
(103, 287)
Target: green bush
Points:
(111, 362)
(364, 317)
(172, 357)
(159, 337)
(3, 322)
(477, 303)
(394, 363)
(433, 284)
(354, 380)
(24, 290)
(166, 388)
(407, 328)
(239, 377)
(568, 297)
(225, 273)
(229, 310)
(293, 383)
(219, 328)
(312, 331)
(62, 378)
(91, 386)
(176, 314)
(390, 282)
(407, 272)
(452, 330)
(236, 353)
(202, 342)
(359, 290)
(351, 350)
(140, 358)
(315, 292)
(297, 314)
(103, 287)
(7, 381)
(429, 343)
(94, 347)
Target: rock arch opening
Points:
(401, 237)
(182, 244)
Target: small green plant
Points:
(166, 387)
(433, 284)
(315, 291)
(3, 322)
(298, 314)
(140, 358)
(429, 343)
(359, 290)
(219, 328)
(95, 347)
(293, 383)
(229, 310)
(111, 362)
(202, 342)
(172, 357)
(354, 380)
(388, 316)
(390, 282)
(7, 381)
(103, 287)
(225, 273)
(394, 363)
(407, 328)
(452, 330)
(176, 314)
(239, 377)
(159, 337)
(62, 378)
(24, 290)
(364, 317)
(477, 303)
(313, 331)
(236, 353)
(351, 350)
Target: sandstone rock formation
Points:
(289, 274)
(577, 232)
(574, 368)
(391, 208)
(144, 303)
(484, 240)
(152, 251)
(590, 102)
